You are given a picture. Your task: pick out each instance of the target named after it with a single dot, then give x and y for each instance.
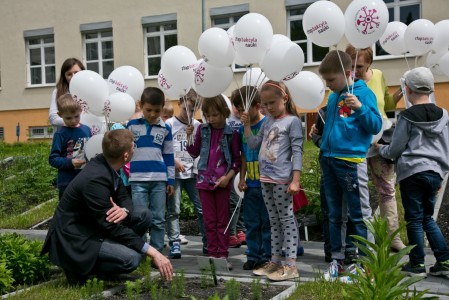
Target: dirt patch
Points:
(196, 287)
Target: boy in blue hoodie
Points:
(352, 118)
(420, 144)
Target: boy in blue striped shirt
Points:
(152, 171)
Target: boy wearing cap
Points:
(420, 144)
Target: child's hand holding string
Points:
(189, 129)
(244, 118)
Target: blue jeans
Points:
(341, 183)
(257, 224)
(152, 194)
(418, 197)
(325, 213)
(174, 208)
(117, 258)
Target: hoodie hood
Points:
(429, 118)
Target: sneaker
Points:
(205, 252)
(300, 251)
(284, 273)
(267, 268)
(350, 270)
(440, 268)
(334, 270)
(175, 250)
(416, 270)
(351, 257)
(242, 237)
(249, 265)
(183, 239)
(234, 242)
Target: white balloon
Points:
(90, 88)
(94, 146)
(96, 124)
(236, 186)
(444, 64)
(177, 64)
(211, 81)
(392, 41)
(254, 77)
(441, 42)
(366, 21)
(252, 37)
(277, 38)
(216, 47)
(433, 60)
(324, 23)
(119, 107)
(386, 124)
(306, 89)
(238, 60)
(419, 36)
(126, 79)
(284, 60)
(170, 90)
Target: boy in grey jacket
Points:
(420, 145)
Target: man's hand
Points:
(78, 163)
(162, 263)
(116, 213)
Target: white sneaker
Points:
(183, 239)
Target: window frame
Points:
(2, 133)
(396, 5)
(48, 133)
(42, 46)
(161, 34)
(99, 39)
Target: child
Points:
(167, 111)
(184, 174)
(420, 144)
(152, 171)
(67, 154)
(257, 222)
(219, 149)
(279, 175)
(351, 121)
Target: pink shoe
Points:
(234, 242)
(242, 237)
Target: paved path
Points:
(310, 264)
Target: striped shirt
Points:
(153, 158)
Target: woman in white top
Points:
(70, 67)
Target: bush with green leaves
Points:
(93, 290)
(187, 208)
(6, 279)
(380, 276)
(28, 179)
(23, 259)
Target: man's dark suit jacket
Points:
(79, 224)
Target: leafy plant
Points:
(187, 208)
(256, 289)
(93, 290)
(233, 289)
(381, 277)
(6, 279)
(23, 258)
(178, 285)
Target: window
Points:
(2, 133)
(40, 57)
(405, 11)
(42, 132)
(98, 47)
(226, 17)
(160, 33)
(313, 54)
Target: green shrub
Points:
(23, 258)
(187, 208)
(28, 179)
(6, 279)
(381, 277)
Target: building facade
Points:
(37, 36)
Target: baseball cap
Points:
(420, 80)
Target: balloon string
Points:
(321, 117)
(353, 74)
(343, 68)
(408, 66)
(416, 61)
(237, 84)
(255, 91)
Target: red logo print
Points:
(199, 74)
(367, 20)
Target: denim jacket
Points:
(205, 146)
